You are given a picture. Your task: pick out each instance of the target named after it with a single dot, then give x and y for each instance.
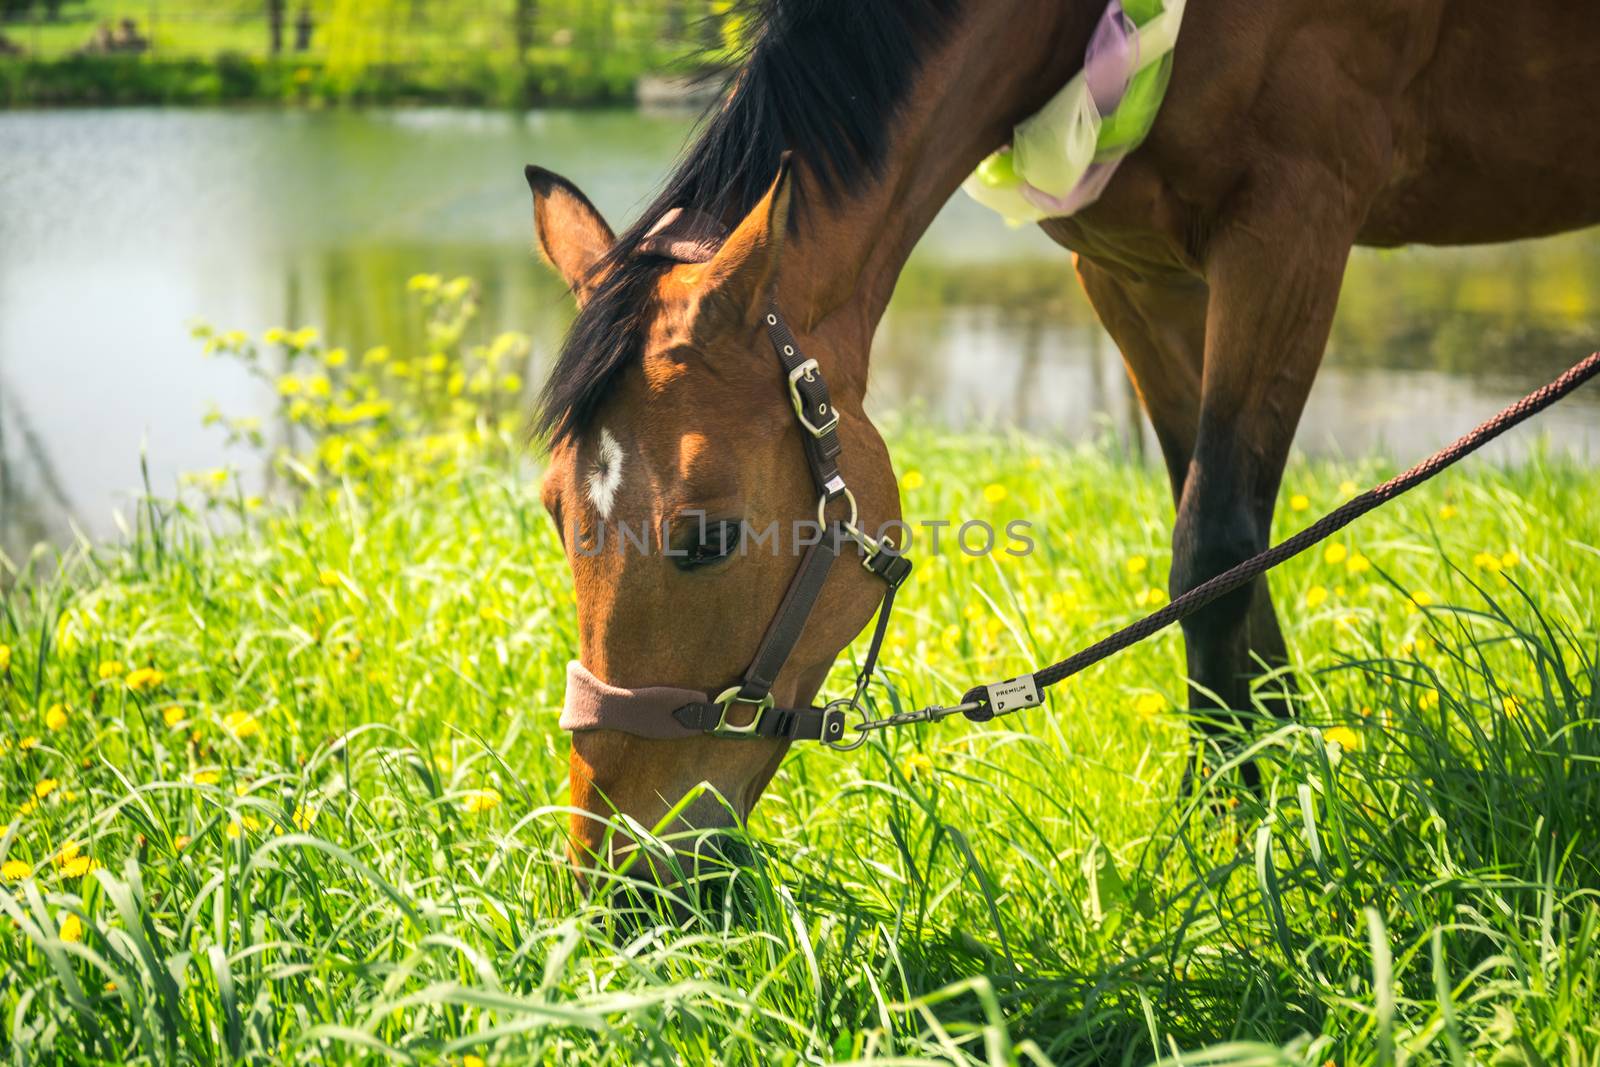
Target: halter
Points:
(591, 704)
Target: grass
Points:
(283, 780)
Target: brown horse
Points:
(1292, 131)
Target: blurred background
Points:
(259, 163)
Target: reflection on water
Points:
(117, 228)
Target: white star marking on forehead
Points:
(606, 475)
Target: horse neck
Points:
(1002, 63)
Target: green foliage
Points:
(490, 52)
(282, 780)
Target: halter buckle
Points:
(727, 699)
(809, 371)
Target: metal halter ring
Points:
(850, 523)
(849, 704)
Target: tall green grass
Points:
(330, 826)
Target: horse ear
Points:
(740, 276)
(572, 235)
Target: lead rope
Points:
(985, 702)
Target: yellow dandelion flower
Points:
(1510, 559)
(242, 824)
(28, 807)
(319, 386)
(242, 724)
(1357, 563)
(376, 356)
(145, 679)
(950, 638)
(1149, 704)
(1150, 597)
(72, 928)
(1136, 565)
(68, 851)
(423, 283)
(305, 337)
(1428, 701)
(1348, 488)
(1487, 561)
(1342, 736)
(469, 1060)
(304, 817)
(1316, 596)
(1512, 707)
(1422, 599)
(994, 492)
(1299, 502)
(172, 715)
(290, 385)
(28, 744)
(45, 787)
(912, 481)
(15, 870)
(110, 669)
(5, 658)
(1335, 554)
(917, 765)
(1448, 512)
(277, 335)
(55, 717)
(181, 842)
(336, 357)
(328, 577)
(77, 867)
(481, 800)
(207, 777)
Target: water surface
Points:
(118, 228)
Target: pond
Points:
(119, 228)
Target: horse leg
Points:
(1160, 328)
(1274, 269)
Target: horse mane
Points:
(823, 78)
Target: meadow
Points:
(282, 778)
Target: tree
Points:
(523, 16)
(275, 13)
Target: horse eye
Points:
(705, 543)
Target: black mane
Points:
(823, 78)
